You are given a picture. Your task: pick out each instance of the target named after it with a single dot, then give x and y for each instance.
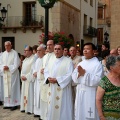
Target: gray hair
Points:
(8, 42)
(111, 61)
(42, 46)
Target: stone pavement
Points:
(6, 114)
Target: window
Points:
(100, 36)
(91, 22)
(85, 24)
(29, 13)
(100, 13)
(85, 19)
(91, 2)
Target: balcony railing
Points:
(89, 31)
(20, 21)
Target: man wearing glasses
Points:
(27, 94)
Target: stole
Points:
(7, 83)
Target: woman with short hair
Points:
(108, 92)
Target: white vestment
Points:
(1, 83)
(76, 60)
(37, 85)
(47, 59)
(27, 92)
(1, 88)
(11, 79)
(60, 104)
(85, 108)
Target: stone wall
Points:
(115, 23)
(66, 19)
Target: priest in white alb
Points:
(47, 59)
(11, 81)
(58, 76)
(87, 75)
(27, 91)
(1, 83)
(38, 79)
(1, 89)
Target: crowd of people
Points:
(54, 82)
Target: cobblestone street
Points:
(6, 114)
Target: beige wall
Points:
(22, 39)
(65, 16)
(66, 19)
(75, 3)
(91, 12)
(115, 22)
(102, 23)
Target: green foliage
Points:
(58, 37)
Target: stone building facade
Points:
(115, 23)
(24, 22)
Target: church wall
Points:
(115, 22)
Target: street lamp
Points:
(78, 44)
(47, 4)
(3, 14)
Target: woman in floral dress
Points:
(108, 92)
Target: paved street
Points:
(6, 114)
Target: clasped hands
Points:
(35, 74)
(23, 78)
(42, 71)
(81, 71)
(52, 80)
(5, 68)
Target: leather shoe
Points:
(36, 116)
(22, 111)
(6, 107)
(28, 113)
(1, 103)
(14, 108)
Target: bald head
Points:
(113, 52)
(50, 46)
(72, 51)
(118, 50)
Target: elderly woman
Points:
(108, 92)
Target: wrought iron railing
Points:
(20, 21)
(89, 31)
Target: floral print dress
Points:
(111, 99)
